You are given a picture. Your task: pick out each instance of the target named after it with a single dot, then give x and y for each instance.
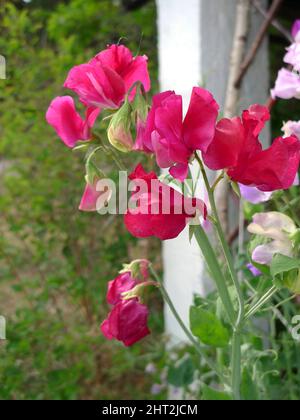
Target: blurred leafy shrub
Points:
(55, 261)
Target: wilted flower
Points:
(127, 321)
(116, 287)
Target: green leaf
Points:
(182, 374)
(210, 394)
(208, 328)
(286, 272)
(281, 264)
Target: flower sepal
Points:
(138, 291)
(137, 268)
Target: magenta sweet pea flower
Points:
(162, 211)
(127, 322)
(122, 283)
(105, 80)
(287, 85)
(174, 139)
(237, 149)
(92, 199)
(66, 121)
(296, 30)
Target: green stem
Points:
(236, 338)
(184, 327)
(215, 184)
(111, 152)
(236, 364)
(262, 301)
(225, 246)
(215, 270)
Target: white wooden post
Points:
(194, 41)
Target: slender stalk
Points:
(236, 364)
(215, 270)
(262, 301)
(184, 327)
(236, 338)
(219, 179)
(225, 247)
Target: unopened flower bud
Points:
(119, 130)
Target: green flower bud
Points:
(119, 130)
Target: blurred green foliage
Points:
(55, 261)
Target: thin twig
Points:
(258, 41)
(277, 25)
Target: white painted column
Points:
(194, 41)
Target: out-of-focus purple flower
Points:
(254, 195)
(297, 181)
(296, 30)
(255, 271)
(157, 389)
(150, 368)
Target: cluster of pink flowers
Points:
(287, 85)
(116, 80)
(102, 83)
